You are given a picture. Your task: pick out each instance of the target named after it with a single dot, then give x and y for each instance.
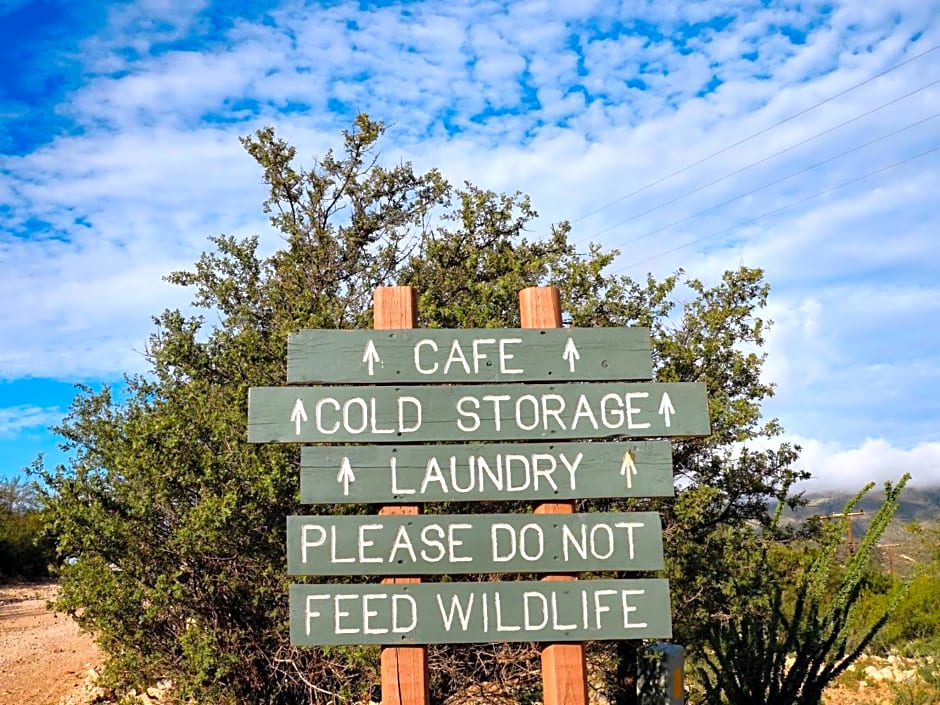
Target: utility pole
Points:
(889, 555)
(850, 542)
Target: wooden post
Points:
(850, 538)
(564, 672)
(404, 668)
(889, 555)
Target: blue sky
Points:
(119, 156)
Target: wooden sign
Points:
(540, 385)
(485, 471)
(473, 543)
(480, 412)
(460, 356)
(449, 613)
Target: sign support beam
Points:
(405, 678)
(564, 671)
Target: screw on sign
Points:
(419, 403)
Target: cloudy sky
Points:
(800, 137)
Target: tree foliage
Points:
(24, 551)
(174, 524)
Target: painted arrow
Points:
(298, 415)
(570, 354)
(628, 468)
(666, 409)
(345, 475)
(370, 357)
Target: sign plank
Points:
(479, 412)
(473, 543)
(460, 356)
(449, 613)
(485, 472)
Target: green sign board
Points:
(448, 613)
(434, 356)
(485, 471)
(473, 543)
(476, 413)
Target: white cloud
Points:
(134, 192)
(15, 419)
(875, 460)
(121, 212)
(133, 29)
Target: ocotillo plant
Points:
(789, 648)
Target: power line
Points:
(760, 161)
(780, 180)
(777, 210)
(758, 133)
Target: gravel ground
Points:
(43, 656)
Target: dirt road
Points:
(43, 657)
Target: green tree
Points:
(174, 524)
(24, 551)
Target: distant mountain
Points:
(917, 504)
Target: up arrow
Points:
(570, 354)
(298, 415)
(628, 468)
(345, 475)
(666, 408)
(371, 356)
